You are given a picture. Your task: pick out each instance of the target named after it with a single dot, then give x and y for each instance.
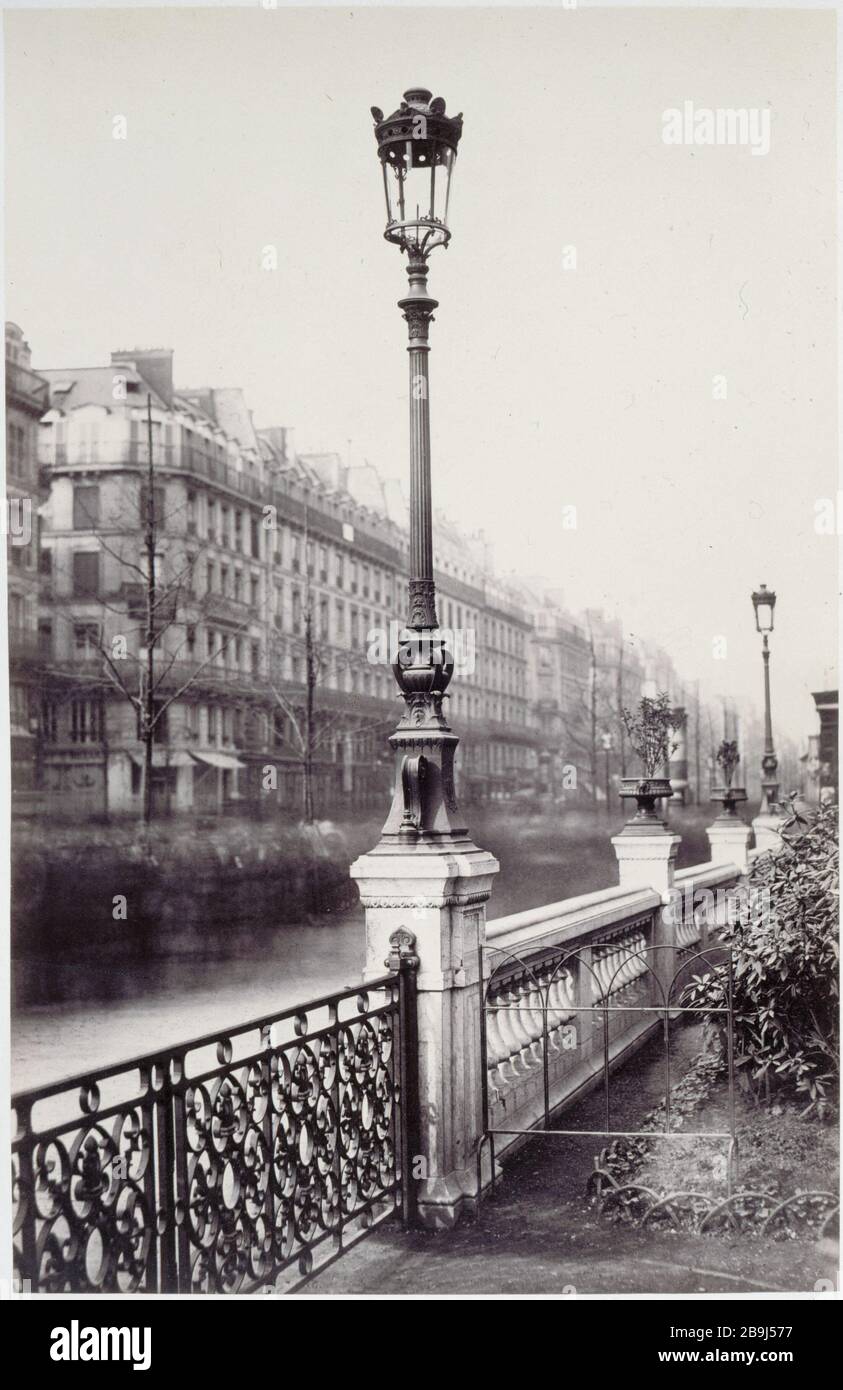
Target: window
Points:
(191, 513)
(296, 554)
(238, 585)
(256, 538)
(340, 571)
(365, 581)
(86, 721)
(254, 587)
(45, 563)
(256, 656)
(45, 639)
(86, 574)
(86, 507)
(16, 450)
(238, 530)
(323, 618)
(339, 609)
(209, 577)
(86, 640)
(224, 579)
(296, 611)
(212, 723)
(212, 520)
(49, 721)
(323, 564)
(190, 635)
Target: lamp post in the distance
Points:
(768, 820)
(764, 604)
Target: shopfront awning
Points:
(226, 760)
(165, 757)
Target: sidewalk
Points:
(537, 1236)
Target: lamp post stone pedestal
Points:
(441, 898)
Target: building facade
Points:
(27, 399)
(270, 581)
(260, 653)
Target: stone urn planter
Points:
(728, 797)
(728, 758)
(645, 791)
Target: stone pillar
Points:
(441, 898)
(649, 861)
(729, 839)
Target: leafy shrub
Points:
(785, 959)
(649, 730)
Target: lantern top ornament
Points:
(417, 147)
(764, 602)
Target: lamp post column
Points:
(418, 310)
(769, 762)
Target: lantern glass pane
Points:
(765, 616)
(417, 176)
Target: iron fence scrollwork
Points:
(233, 1163)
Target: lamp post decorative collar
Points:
(417, 149)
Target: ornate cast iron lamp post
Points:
(764, 603)
(417, 148)
(425, 870)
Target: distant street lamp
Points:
(607, 748)
(417, 149)
(764, 603)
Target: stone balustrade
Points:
(566, 981)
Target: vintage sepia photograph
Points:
(422, 533)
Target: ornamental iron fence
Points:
(236, 1162)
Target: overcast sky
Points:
(551, 387)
